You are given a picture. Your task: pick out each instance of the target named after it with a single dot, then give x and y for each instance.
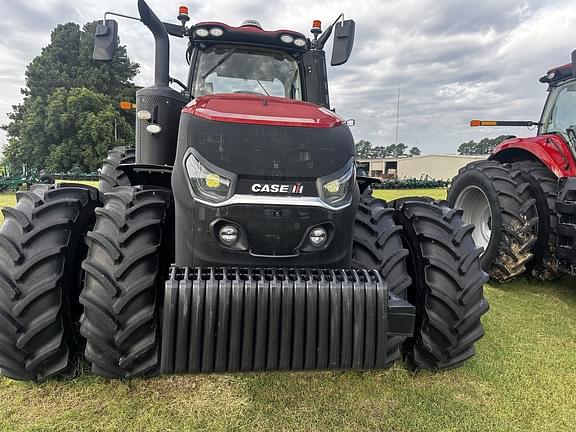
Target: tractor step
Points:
(241, 319)
(566, 209)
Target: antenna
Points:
(397, 115)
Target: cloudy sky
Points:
(452, 60)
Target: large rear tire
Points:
(124, 268)
(544, 189)
(41, 249)
(497, 201)
(110, 176)
(377, 244)
(447, 285)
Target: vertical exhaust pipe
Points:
(161, 42)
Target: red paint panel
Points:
(551, 149)
(262, 110)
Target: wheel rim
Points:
(477, 211)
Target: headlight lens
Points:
(206, 184)
(337, 190)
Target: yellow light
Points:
(212, 180)
(125, 105)
(476, 123)
(332, 187)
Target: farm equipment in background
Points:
(236, 236)
(13, 182)
(522, 200)
(424, 182)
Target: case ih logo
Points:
(277, 188)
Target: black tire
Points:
(513, 218)
(544, 189)
(121, 292)
(110, 176)
(377, 244)
(447, 287)
(41, 251)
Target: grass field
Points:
(522, 379)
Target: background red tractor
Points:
(523, 198)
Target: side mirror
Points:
(105, 40)
(343, 42)
(574, 63)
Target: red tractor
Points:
(522, 200)
(238, 236)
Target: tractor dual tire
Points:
(41, 250)
(377, 244)
(124, 268)
(544, 189)
(447, 284)
(497, 200)
(110, 176)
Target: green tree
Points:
(415, 151)
(363, 149)
(69, 112)
(484, 146)
(395, 150)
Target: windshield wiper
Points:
(219, 62)
(267, 94)
(292, 86)
(571, 132)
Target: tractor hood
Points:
(262, 110)
(265, 137)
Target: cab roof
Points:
(249, 33)
(556, 74)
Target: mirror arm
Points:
(324, 36)
(121, 15)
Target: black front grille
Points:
(229, 320)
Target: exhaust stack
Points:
(161, 42)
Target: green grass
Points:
(522, 379)
(9, 199)
(388, 195)
(6, 200)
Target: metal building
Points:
(438, 167)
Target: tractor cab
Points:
(249, 59)
(559, 114)
(246, 60)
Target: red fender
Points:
(551, 149)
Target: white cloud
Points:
(453, 60)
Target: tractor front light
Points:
(337, 191)
(216, 32)
(208, 185)
(201, 32)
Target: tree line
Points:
(483, 147)
(364, 150)
(69, 116)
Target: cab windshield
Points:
(241, 70)
(560, 112)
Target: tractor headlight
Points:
(337, 188)
(207, 184)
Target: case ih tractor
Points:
(237, 237)
(522, 200)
